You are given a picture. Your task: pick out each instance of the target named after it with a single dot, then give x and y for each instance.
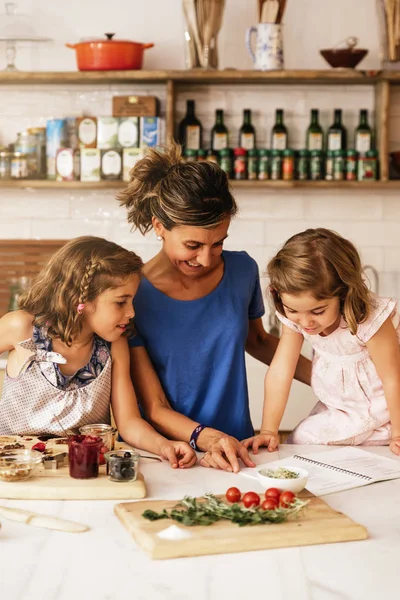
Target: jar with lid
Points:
(276, 165)
(103, 431)
(252, 163)
(38, 135)
(189, 155)
(288, 165)
(351, 165)
(5, 164)
(19, 166)
(201, 155)
(329, 165)
(263, 164)
(25, 145)
(338, 165)
(303, 165)
(316, 165)
(240, 163)
(225, 161)
(368, 166)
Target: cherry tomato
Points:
(273, 493)
(233, 494)
(251, 499)
(269, 504)
(286, 498)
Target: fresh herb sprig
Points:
(206, 512)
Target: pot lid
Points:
(107, 39)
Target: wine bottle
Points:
(247, 133)
(190, 131)
(363, 134)
(219, 133)
(315, 135)
(337, 133)
(279, 133)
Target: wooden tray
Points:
(319, 524)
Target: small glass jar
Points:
(225, 161)
(338, 165)
(316, 165)
(19, 166)
(368, 166)
(276, 165)
(263, 164)
(212, 156)
(351, 165)
(303, 165)
(240, 163)
(105, 432)
(329, 165)
(122, 465)
(5, 164)
(288, 165)
(83, 456)
(189, 155)
(252, 164)
(201, 155)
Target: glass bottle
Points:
(363, 134)
(315, 135)
(190, 131)
(337, 133)
(247, 133)
(279, 133)
(219, 133)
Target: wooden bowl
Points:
(345, 58)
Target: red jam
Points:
(84, 454)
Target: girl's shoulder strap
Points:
(381, 310)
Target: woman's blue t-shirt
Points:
(198, 346)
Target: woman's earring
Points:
(159, 238)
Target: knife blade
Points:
(39, 520)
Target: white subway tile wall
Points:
(266, 218)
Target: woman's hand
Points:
(179, 454)
(264, 438)
(223, 453)
(395, 445)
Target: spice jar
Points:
(276, 165)
(105, 432)
(201, 155)
(5, 164)
(368, 166)
(189, 155)
(19, 166)
(303, 165)
(288, 165)
(351, 165)
(83, 456)
(338, 165)
(329, 165)
(240, 163)
(225, 161)
(122, 465)
(252, 164)
(263, 164)
(316, 165)
(212, 156)
(38, 136)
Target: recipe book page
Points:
(338, 470)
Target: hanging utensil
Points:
(282, 6)
(270, 10)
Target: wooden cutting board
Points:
(319, 524)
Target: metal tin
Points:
(225, 161)
(288, 165)
(19, 166)
(276, 165)
(368, 166)
(351, 165)
(252, 164)
(329, 165)
(316, 165)
(263, 164)
(303, 165)
(338, 165)
(240, 163)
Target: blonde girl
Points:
(68, 355)
(320, 296)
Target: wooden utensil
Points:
(38, 520)
(270, 10)
(282, 6)
(189, 9)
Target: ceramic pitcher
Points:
(269, 46)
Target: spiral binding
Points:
(333, 468)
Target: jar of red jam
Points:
(84, 454)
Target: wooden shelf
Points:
(332, 76)
(245, 184)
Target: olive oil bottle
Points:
(190, 132)
(279, 133)
(315, 134)
(247, 133)
(337, 133)
(219, 133)
(363, 141)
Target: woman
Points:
(198, 309)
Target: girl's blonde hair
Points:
(176, 193)
(325, 264)
(80, 271)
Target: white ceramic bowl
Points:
(292, 485)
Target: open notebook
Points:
(338, 470)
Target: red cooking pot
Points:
(109, 54)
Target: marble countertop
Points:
(106, 564)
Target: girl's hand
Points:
(395, 445)
(223, 453)
(264, 438)
(179, 454)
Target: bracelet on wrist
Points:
(194, 436)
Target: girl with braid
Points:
(68, 351)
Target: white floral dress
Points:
(352, 408)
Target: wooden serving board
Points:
(48, 484)
(318, 524)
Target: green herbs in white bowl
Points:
(285, 478)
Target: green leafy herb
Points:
(211, 509)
